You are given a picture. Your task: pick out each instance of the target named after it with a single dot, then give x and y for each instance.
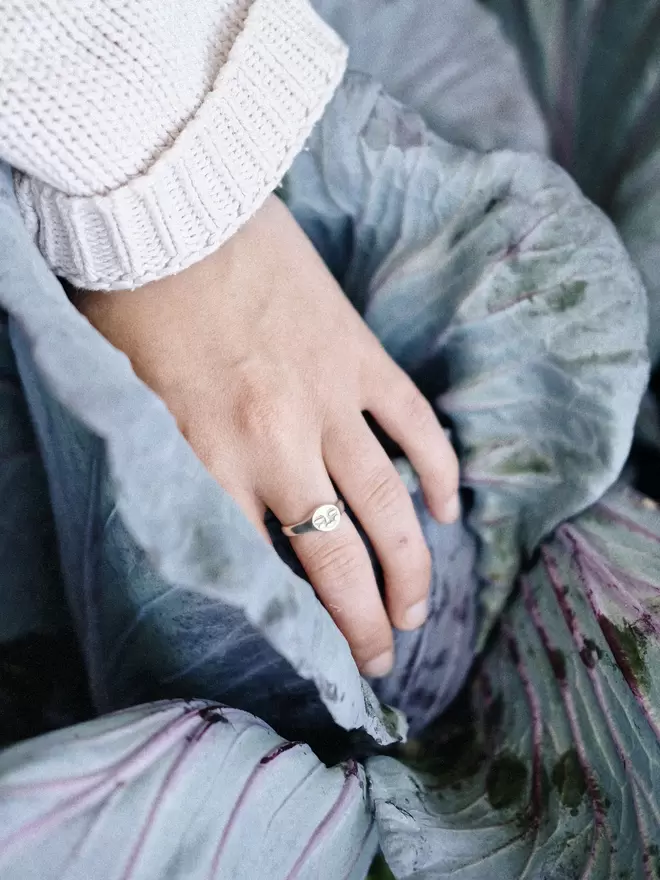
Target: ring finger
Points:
(338, 566)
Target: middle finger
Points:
(376, 493)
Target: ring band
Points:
(325, 518)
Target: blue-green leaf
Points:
(551, 768)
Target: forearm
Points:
(145, 134)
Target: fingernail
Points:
(416, 615)
(379, 666)
(452, 509)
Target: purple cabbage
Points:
(511, 301)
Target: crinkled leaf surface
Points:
(179, 790)
(595, 68)
(450, 62)
(552, 768)
(507, 296)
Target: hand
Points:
(268, 370)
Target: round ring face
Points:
(326, 518)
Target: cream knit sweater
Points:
(145, 132)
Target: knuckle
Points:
(384, 490)
(336, 562)
(265, 419)
(254, 412)
(417, 411)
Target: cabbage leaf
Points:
(595, 70)
(178, 789)
(551, 765)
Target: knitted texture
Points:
(146, 132)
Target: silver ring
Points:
(325, 518)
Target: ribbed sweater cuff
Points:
(282, 69)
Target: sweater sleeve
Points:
(144, 133)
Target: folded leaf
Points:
(179, 790)
(552, 767)
(503, 292)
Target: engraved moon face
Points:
(326, 518)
